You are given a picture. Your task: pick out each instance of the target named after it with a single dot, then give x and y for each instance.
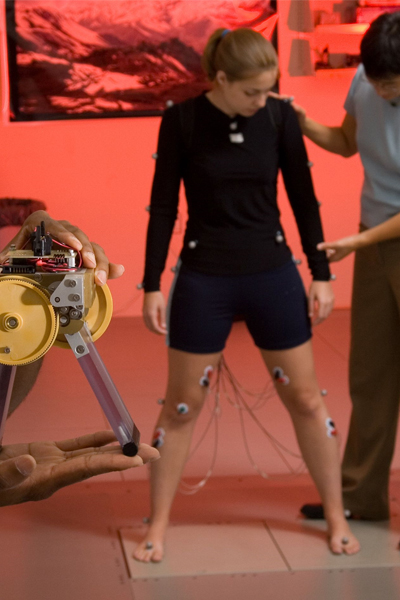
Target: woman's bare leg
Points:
(184, 387)
(298, 389)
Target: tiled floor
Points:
(240, 537)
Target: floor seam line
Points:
(121, 543)
(330, 345)
(278, 547)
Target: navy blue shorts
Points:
(202, 308)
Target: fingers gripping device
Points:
(46, 299)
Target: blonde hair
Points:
(240, 53)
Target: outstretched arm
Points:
(35, 471)
(339, 249)
(339, 140)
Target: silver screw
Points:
(57, 299)
(7, 350)
(70, 282)
(76, 297)
(80, 349)
(75, 314)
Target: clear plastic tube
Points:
(108, 396)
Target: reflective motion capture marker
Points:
(236, 138)
(182, 408)
(205, 379)
(280, 376)
(158, 437)
(330, 428)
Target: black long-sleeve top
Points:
(231, 189)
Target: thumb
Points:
(163, 315)
(15, 470)
(311, 301)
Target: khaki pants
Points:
(374, 379)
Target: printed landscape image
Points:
(115, 57)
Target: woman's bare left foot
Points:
(341, 539)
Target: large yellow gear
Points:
(28, 322)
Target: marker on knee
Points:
(205, 378)
(280, 376)
(158, 438)
(331, 430)
(182, 408)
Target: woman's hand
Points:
(154, 312)
(322, 298)
(340, 248)
(299, 110)
(93, 255)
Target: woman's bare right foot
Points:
(151, 548)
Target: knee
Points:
(183, 409)
(304, 402)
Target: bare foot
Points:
(151, 548)
(341, 539)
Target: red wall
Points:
(97, 173)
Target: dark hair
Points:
(240, 53)
(380, 47)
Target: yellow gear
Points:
(28, 321)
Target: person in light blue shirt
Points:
(371, 127)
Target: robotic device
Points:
(46, 299)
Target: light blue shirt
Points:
(378, 141)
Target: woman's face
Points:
(246, 96)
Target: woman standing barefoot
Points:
(228, 146)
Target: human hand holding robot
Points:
(49, 296)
